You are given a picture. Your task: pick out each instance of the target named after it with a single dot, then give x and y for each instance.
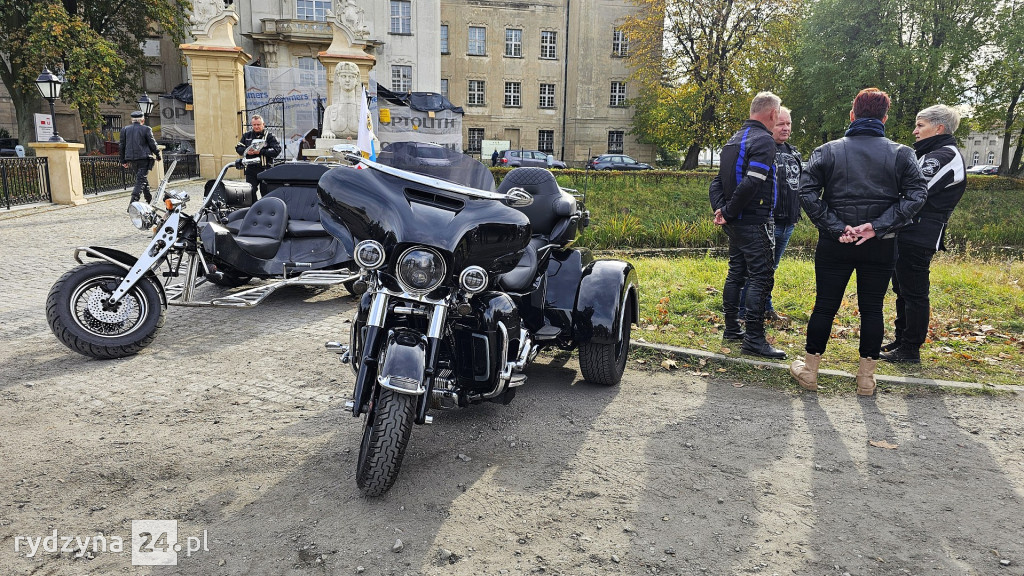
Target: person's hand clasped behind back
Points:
(859, 234)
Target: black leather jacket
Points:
(137, 143)
(859, 179)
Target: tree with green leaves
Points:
(1001, 86)
(698, 63)
(921, 53)
(95, 45)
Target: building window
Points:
(546, 141)
(513, 94)
(620, 44)
(513, 43)
(477, 41)
(444, 39)
(312, 72)
(615, 141)
(401, 78)
(618, 98)
(312, 9)
(547, 96)
(401, 17)
(476, 93)
(444, 87)
(991, 158)
(476, 138)
(974, 161)
(547, 45)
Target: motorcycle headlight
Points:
(143, 216)
(420, 270)
(473, 279)
(369, 254)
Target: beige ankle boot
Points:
(866, 377)
(806, 371)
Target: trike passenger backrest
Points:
(302, 201)
(550, 207)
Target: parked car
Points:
(983, 169)
(7, 146)
(617, 162)
(535, 158)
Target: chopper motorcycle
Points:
(460, 287)
(114, 306)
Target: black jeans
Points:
(911, 284)
(751, 262)
(834, 263)
(141, 168)
(251, 171)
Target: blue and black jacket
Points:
(745, 188)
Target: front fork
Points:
(157, 249)
(375, 336)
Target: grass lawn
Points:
(976, 332)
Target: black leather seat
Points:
(263, 227)
(552, 220)
(552, 209)
(303, 212)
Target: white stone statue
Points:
(341, 118)
(204, 10)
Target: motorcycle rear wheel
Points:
(82, 321)
(388, 426)
(604, 363)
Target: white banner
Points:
(298, 89)
(44, 127)
(177, 121)
(443, 127)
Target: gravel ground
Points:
(231, 424)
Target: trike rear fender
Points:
(608, 296)
(124, 259)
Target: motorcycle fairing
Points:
(396, 212)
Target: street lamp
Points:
(49, 85)
(145, 104)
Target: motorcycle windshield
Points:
(396, 210)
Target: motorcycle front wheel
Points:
(388, 426)
(80, 317)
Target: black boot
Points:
(891, 346)
(733, 331)
(903, 355)
(755, 343)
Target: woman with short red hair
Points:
(858, 191)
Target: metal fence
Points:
(24, 181)
(187, 168)
(103, 173)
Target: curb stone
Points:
(904, 380)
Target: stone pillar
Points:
(65, 171)
(218, 93)
(218, 84)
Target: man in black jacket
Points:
(945, 169)
(271, 149)
(138, 148)
(743, 197)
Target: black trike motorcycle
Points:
(460, 286)
(112, 307)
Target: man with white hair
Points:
(743, 197)
(945, 170)
(138, 148)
